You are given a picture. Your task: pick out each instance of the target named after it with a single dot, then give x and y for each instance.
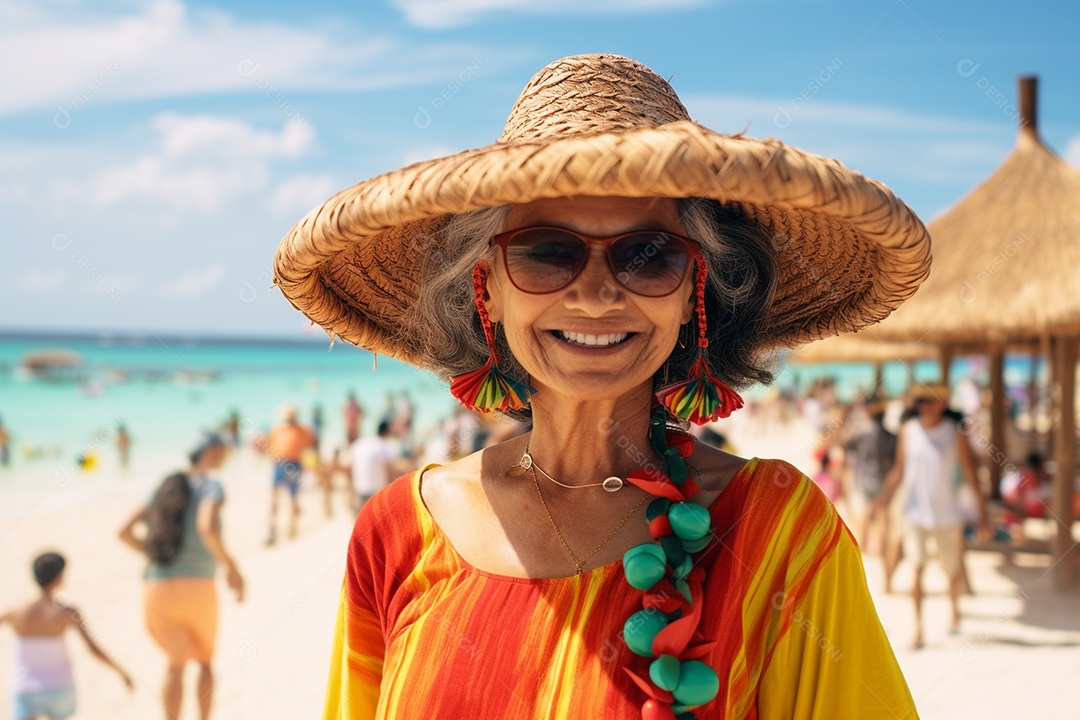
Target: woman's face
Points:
(592, 339)
(931, 410)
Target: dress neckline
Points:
(741, 475)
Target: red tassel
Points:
(701, 398)
(488, 388)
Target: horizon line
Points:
(17, 333)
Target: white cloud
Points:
(202, 162)
(454, 13)
(1072, 152)
(227, 137)
(300, 194)
(767, 117)
(922, 147)
(193, 284)
(42, 281)
(66, 58)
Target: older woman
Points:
(608, 269)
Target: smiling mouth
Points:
(586, 340)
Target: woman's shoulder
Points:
(454, 484)
(773, 493)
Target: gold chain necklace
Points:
(579, 564)
(611, 484)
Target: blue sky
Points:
(153, 153)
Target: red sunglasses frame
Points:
(502, 240)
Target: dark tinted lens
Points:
(544, 260)
(649, 263)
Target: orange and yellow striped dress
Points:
(422, 634)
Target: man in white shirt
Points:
(372, 459)
(929, 452)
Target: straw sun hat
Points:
(848, 250)
(930, 391)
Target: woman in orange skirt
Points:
(184, 545)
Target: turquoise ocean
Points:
(165, 389)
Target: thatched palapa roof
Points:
(860, 347)
(1006, 255)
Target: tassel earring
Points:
(700, 398)
(488, 388)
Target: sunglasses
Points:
(652, 263)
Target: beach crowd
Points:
(904, 473)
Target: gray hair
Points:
(741, 279)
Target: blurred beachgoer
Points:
(324, 473)
(183, 542)
(123, 445)
(1026, 493)
(372, 463)
(43, 684)
(286, 446)
(828, 479)
(5, 441)
(232, 428)
(929, 451)
(317, 425)
(871, 450)
(353, 413)
(399, 416)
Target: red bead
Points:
(660, 526)
(654, 710)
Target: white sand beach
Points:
(1018, 654)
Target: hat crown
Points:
(591, 94)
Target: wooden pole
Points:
(1033, 402)
(1061, 543)
(1028, 119)
(998, 455)
(945, 360)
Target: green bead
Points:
(645, 549)
(641, 628)
(683, 569)
(698, 684)
(656, 508)
(644, 570)
(689, 520)
(673, 549)
(677, 470)
(665, 672)
(693, 546)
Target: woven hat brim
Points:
(848, 250)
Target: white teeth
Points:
(589, 340)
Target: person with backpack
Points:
(182, 540)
